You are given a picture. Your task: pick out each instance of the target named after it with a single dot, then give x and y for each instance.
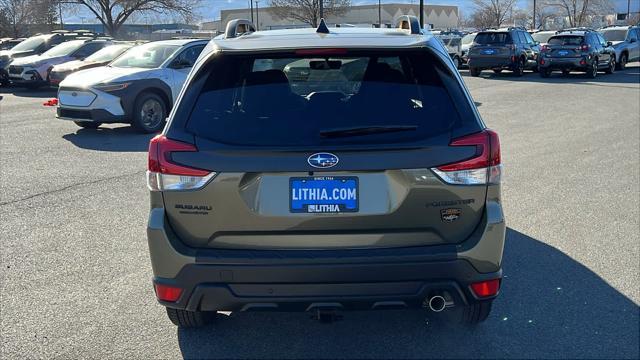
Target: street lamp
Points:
(421, 14)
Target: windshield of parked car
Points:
(566, 40)
(468, 39)
(108, 53)
(489, 38)
(614, 35)
(312, 100)
(147, 56)
(64, 49)
(30, 43)
(542, 37)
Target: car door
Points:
(633, 37)
(181, 66)
(607, 51)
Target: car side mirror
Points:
(632, 40)
(180, 64)
(609, 43)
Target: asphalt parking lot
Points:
(75, 274)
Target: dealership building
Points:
(437, 16)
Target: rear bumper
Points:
(497, 62)
(563, 64)
(291, 280)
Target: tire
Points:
(593, 71)
(476, 313)
(612, 66)
(149, 113)
(475, 72)
(519, 70)
(497, 71)
(87, 124)
(458, 62)
(545, 73)
(622, 64)
(190, 319)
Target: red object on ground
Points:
(51, 102)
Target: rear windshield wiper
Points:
(365, 130)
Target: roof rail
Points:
(238, 27)
(411, 23)
(579, 28)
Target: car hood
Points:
(70, 65)
(30, 60)
(616, 43)
(15, 54)
(106, 74)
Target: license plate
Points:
(563, 52)
(323, 194)
(488, 52)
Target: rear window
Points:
(566, 40)
(493, 38)
(295, 100)
(542, 37)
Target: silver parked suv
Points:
(322, 170)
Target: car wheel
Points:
(623, 62)
(593, 71)
(190, 319)
(4, 79)
(88, 124)
(474, 71)
(545, 73)
(519, 70)
(476, 313)
(497, 71)
(612, 66)
(150, 112)
(458, 62)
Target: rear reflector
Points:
(483, 168)
(486, 288)
(163, 174)
(168, 293)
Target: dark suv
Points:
(577, 50)
(319, 172)
(511, 49)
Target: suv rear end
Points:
(579, 50)
(321, 174)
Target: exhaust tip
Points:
(437, 303)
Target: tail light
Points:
(545, 48)
(585, 47)
(483, 168)
(163, 174)
(486, 288)
(167, 293)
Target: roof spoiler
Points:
(238, 27)
(411, 23)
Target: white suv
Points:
(138, 87)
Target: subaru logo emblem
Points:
(323, 160)
(74, 94)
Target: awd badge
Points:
(449, 215)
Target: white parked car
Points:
(33, 71)
(138, 87)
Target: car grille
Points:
(74, 114)
(15, 70)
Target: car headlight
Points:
(111, 87)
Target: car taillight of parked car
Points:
(165, 175)
(483, 168)
(584, 47)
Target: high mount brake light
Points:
(163, 174)
(321, 51)
(483, 168)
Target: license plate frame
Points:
(297, 204)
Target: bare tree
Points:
(581, 12)
(17, 13)
(308, 11)
(114, 13)
(494, 12)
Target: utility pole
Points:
(379, 14)
(321, 9)
(251, 6)
(60, 12)
(421, 14)
(629, 11)
(257, 16)
(534, 15)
